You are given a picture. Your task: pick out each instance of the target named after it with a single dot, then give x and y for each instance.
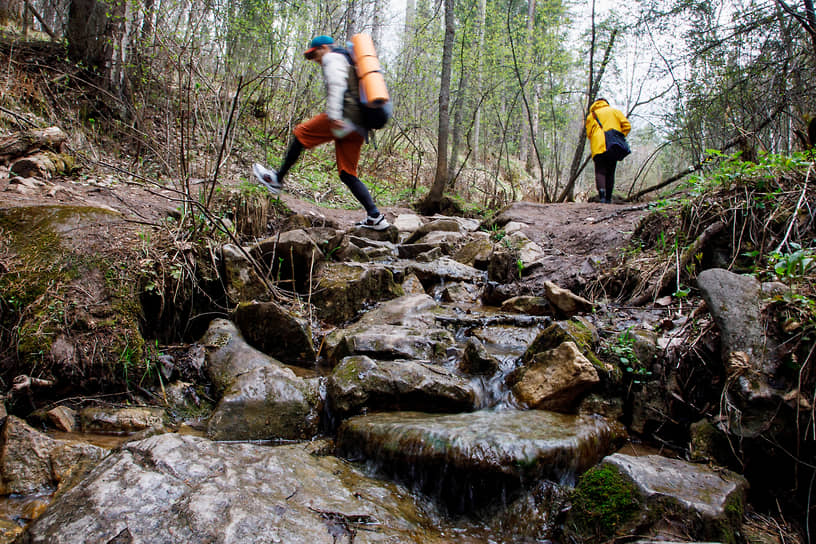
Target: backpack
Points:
(372, 115)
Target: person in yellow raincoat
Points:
(603, 117)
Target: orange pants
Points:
(316, 131)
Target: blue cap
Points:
(317, 42)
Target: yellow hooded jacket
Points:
(610, 119)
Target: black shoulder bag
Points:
(616, 145)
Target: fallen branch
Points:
(27, 382)
(669, 275)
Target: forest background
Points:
(489, 96)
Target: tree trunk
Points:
(94, 32)
(477, 116)
(431, 203)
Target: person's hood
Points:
(598, 104)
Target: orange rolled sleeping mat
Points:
(372, 83)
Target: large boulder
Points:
(174, 488)
(657, 498)
(344, 289)
(475, 253)
(361, 384)
(444, 270)
(470, 460)
(228, 355)
(275, 331)
(265, 403)
(32, 462)
(556, 379)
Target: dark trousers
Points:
(604, 174)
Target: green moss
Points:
(604, 502)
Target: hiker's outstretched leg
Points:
(360, 192)
(291, 157)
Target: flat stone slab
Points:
(471, 459)
(173, 488)
(697, 488)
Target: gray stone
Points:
(344, 289)
(360, 384)
(461, 292)
(408, 222)
(228, 355)
(268, 402)
(707, 503)
(472, 459)
(292, 257)
(390, 342)
(445, 269)
(275, 331)
(438, 225)
(240, 278)
(173, 488)
(412, 286)
(63, 418)
(475, 253)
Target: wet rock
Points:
(31, 461)
(345, 288)
(469, 460)
(275, 331)
(228, 355)
(241, 280)
(461, 292)
(736, 303)
(437, 225)
(292, 256)
(63, 418)
(555, 379)
(390, 342)
(657, 497)
(445, 269)
(359, 383)
(475, 253)
(412, 286)
(187, 489)
(477, 360)
(268, 402)
(104, 420)
(505, 339)
(409, 310)
(528, 305)
(567, 303)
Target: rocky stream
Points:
(441, 381)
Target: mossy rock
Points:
(603, 504)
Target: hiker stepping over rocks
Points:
(341, 122)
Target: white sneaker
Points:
(267, 177)
(376, 223)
